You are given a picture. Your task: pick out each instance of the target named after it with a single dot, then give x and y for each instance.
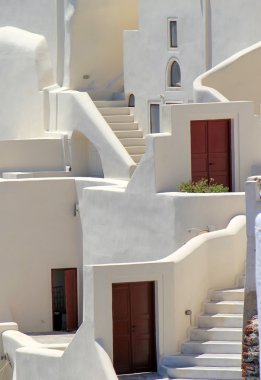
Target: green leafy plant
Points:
(202, 186)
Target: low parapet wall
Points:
(83, 359)
(5, 327)
(6, 370)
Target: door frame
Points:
(75, 269)
(155, 317)
(230, 144)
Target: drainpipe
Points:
(208, 34)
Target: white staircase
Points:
(214, 351)
(121, 120)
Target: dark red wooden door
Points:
(71, 299)
(210, 151)
(133, 327)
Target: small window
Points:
(154, 118)
(131, 101)
(173, 34)
(175, 75)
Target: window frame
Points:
(178, 86)
(154, 103)
(170, 21)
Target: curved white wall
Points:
(37, 17)
(25, 69)
(237, 78)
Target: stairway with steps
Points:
(121, 120)
(214, 351)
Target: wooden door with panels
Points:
(211, 151)
(133, 306)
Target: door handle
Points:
(133, 327)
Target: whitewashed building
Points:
(80, 220)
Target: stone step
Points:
(136, 157)
(215, 349)
(220, 320)
(108, 111)
(225, 307)
(119, 119)
(128, 134)
(110, 103)
(212, 347)
(136, 149)
(216, 333)
(133, 141)
(124, 126)
(228, 295)
(203, 360)
(226, 373)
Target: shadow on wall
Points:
(85, 158)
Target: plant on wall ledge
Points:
(202, 186)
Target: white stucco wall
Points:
(167, 161)
(37, 17)
(120, 226)
(84, 358)
(210, 261)
(25, 69)
(228, 80)
(146, 53)
(208, 32)
(95, 46)
(85, 159)
(33, 106)
(235, 25)
(84, 38)
(31, 155)
(39, 232)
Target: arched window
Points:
(131, 100)
(174, 75)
